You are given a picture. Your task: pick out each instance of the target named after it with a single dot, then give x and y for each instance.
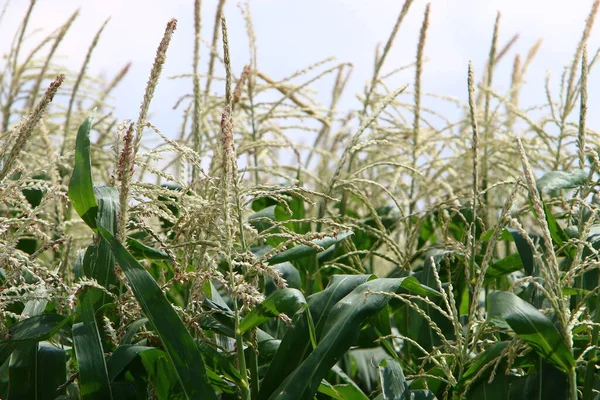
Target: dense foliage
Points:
(400, 256)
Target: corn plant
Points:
(395, 257)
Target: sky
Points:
(292, 34)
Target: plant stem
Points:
(253, 361)
(573, 384)
(239, 342)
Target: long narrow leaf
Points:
(99, 262)
(93, 376)
(303, 250)
(286, 301)
(132, 329)
(22, 371)
(81, 188)
(158, 369)
(554, 181)
(51, 371)
(340, 332)
(483, 360)
(176, 339)
(393, 383)
(533, 327)
(296, 344)
(32, 329)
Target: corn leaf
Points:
(93, 376)
(285, 301)
(81, 188)
(51, 371)
(303, 250)
(554, 181)
(393, 383)
(176, 339)
(533, 327)
(340, 331)
(296, 344)
(32, 329)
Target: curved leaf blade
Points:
(51, 371)
(504, 266)
(524, 249)
(133, 329)
(99, 262)
(22, 372)
(393, 383)
(176, 339)
(554, 181)
(140, 250)
(533, 327)
(340, 332)
(296, 344)
(159, 371)
(303, 250)
(285, 301)
(32, 329)
(93, 376)
(412, 284)
(81, 187)
(121, 357)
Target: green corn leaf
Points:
(328, 389)
(173, 334)
(349, 389)
(505, 266)
(285, 301)
(161, 375)
(28, 378)
(571, 291)
(220, 361)
(121, 357)
(340, 332)
(81, 190)
(177, 341)
(32, 329)
(263, 219)
(559, 237)
(533, 327)
(132, 329)
(412, 284)
(23, 365)
(364, 369)
(140, 251)
(554, 181)
(158, 370)
(393, 383)
(303, 250)
(93, 376)
(296, 344)
(21, 372)
(422, 395)
(289, 273)
(344, 392)
(483, 360)
(298, 212)
(99, 262)
(524, 249)
(51, 371)
(35, 329)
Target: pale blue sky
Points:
(294, 33)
